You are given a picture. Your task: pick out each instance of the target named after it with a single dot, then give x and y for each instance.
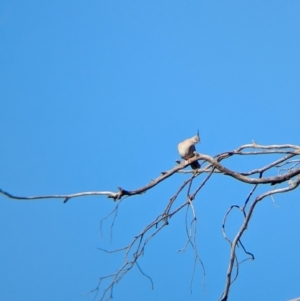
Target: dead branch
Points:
(290, 175)
(244, 226)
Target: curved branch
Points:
(213, 167)
(244, 226)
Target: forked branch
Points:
(285, 169)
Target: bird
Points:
(187, 148)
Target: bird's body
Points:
(187, 148)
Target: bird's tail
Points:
(195, 165)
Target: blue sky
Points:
(96, 95)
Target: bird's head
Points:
(197, 137)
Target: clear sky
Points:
(96, 95)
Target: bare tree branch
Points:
(244, 226)
(284, 169)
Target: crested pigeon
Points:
(187, 148)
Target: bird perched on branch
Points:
(187, 148)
